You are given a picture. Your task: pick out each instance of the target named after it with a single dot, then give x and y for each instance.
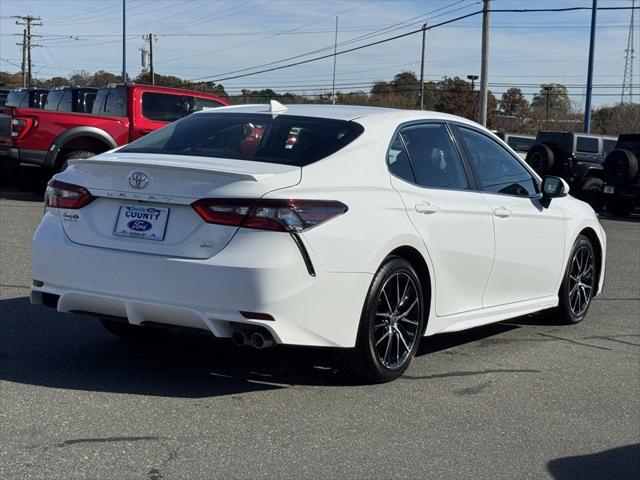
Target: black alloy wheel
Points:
(391, 324)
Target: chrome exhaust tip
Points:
(258, 340)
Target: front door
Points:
(529, 238)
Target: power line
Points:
(199, 80)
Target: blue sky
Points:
(209, 38)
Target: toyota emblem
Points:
(138, 180)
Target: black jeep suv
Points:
(576, 157)
(622, 176)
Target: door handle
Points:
(502, 211)
(426, 208)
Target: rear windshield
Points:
(284, 139)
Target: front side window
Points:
(434, 157)
(497, 170)
(163, 107)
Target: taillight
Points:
(20, 126)
(273, 214)
(66, 195)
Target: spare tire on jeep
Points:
(620, 167)
(540, 158)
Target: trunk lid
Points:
(173, 182)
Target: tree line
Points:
(551, 108)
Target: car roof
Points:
(338, 112)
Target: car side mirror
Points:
(553, 187)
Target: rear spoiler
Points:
(209, 166)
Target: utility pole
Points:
(592, 44)
(335, 56)
(424, 37)
(27, 43)
(484, 67)
(124, 41)
(24, 57)
(150, 38)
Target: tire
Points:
(382, 332)
(126, 331)
(620, 167)
(540, 158)
(619, 206)
(62, 166)
(575, 295)
(591, 191)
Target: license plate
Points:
(609, 189)
(139, 221)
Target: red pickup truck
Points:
(120, 114)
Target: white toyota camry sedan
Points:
(328, 226)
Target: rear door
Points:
(453, 220)
(529, 238)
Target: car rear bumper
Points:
(258, 271)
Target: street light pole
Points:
(592, 44)
(124, 41)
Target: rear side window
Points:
(587, 144)
(398, 160)
(164, 107)
(608, 146)
(434, 157)
(285, 139)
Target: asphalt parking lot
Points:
(520, 399)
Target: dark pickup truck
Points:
(120, 114)
(71, 99)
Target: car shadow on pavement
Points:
(39, 346)
(616, 463)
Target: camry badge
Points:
(138, 179)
